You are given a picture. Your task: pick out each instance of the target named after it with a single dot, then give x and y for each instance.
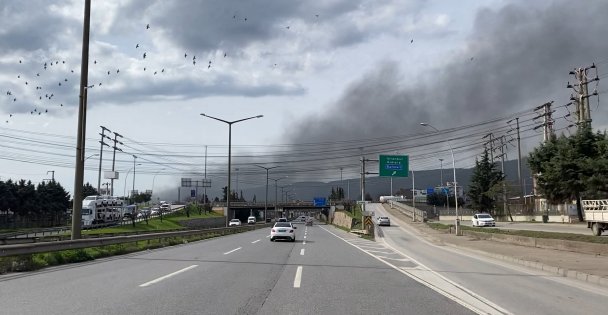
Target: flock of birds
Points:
(53, 79)
(38, 90)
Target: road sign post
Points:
(393, 165)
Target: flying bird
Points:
(287, 27)
(65, 80)
(154, 72)
(163, 70)
(137, 46)
(224, 55)
(194, 58)
(63, 61)
(15, 99)
(185, 55)
(95, 61)
(19, 61)
(144, 55)
(59, 83)
(117, 70)
(209, 66)
(37, 74)
(472, 58)
(99, 83)
(108, 72)
(72, 71)
(144, 68)
(411, 41)
(147, 26)
(194, 62)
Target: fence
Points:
(414, 213)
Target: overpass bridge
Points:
(242, 210)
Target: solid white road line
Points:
(304, 243)
(167, 276)
(255, 241)
(298, 279)
(302, 251)
(232, 251)
(267, 235)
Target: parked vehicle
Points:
(596, 215)
(483, 219)
(101, 209)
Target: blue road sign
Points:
(430, 191)
(319, 202)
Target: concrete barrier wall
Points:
(343, 220)
(204, 223)
(572, 246)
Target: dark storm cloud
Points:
(521, 58)
(204, 25)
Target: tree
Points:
(88, 190)
(484, 182)
(569, 168)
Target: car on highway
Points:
(302, 218)
(384, 221)
(234, 222)
(282, 220)
(483, 219)
(251, 220)
(283, 231)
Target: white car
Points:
(251, 220)
(283, 231)
(384, 221)
(483, 219)
(234, 222)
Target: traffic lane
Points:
(521, 290)
(86, 287)
(238, 284)
(337, 278)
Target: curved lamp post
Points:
(454, 168)
(230, 123)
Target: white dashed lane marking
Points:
(255, 241)
(232, 251)
(298, 279)
(302, 251)
(166, 277)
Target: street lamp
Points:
(454, 168)
(276, 190)
(266, 198)
(134, 159)
(154, 178)
(230, 123)
(125, 188)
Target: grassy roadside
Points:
(169, 222)
(38, 261)
(536, 234)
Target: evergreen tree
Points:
(485, 179)
(88, 190)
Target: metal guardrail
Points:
(36, 248)
(414, 213)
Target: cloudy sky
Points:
(332, 78)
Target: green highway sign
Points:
(394, 165)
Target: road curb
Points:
(573, 274)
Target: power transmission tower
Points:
(581, 94)
(103, 135)
(548, 121)
(116, 135)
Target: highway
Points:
(515, 289)
(323, 272)
(326, 271)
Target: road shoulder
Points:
(584, 267)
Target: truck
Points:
(101, 209)
(596, 215)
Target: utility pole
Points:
(583, 112)
(52, 175)
(116, 135)
(103, 135)
(205, 181)
(521, 185)
(266, 198)
(132, 190)
(502, 156)
(547, 124)
(441, 167)
(81, 133)
(363, 173)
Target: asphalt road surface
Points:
(512, 288)
(324, 272)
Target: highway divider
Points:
(416, 214)
(45, 247)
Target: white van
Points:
(251, 220)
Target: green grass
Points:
(536, 234)
(356, 214)
(38, 261)
(169, 222)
